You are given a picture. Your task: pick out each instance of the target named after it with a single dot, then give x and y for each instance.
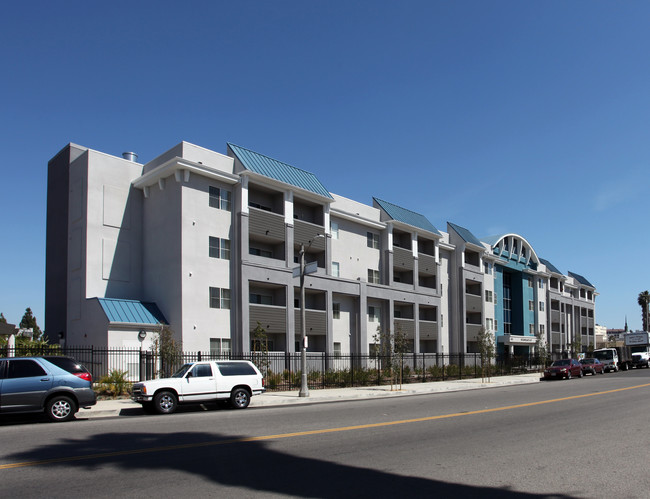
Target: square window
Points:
(373, 276)
(213, 246)
(373, 314)
(334, 228)
(541, 306)
(531, 305)
(225, 249)
(215, 298)
(372, 240)
(337, 349)
(531, 329)
(225, 299)
(219, 198)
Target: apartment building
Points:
(208, 244)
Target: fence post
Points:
(199, 356)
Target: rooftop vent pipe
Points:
(130, 156)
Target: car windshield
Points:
(604, 355)
(181, 372)
(564, 362)
(588, 361)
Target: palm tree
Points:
(643, 301)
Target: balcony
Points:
(473, 303)
(304, 232)
(428, 330)
(316, 322)
(403, 258)
(426, 264)
(472, 331)
(266, 226)
(406, 326)
(273, 318)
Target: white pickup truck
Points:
(199, 382)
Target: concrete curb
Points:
(116, 407)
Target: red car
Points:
(565, 368)
(593, 366)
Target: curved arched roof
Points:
(501, 241)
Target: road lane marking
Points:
(305, 433)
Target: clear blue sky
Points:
(500, 116)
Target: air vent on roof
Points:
(130, 156)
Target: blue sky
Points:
(500, 116)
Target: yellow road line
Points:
(305, 433)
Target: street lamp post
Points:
(304, 388)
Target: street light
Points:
(304, 388)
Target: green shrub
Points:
(115, 384)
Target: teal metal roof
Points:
(581, 280)
(277, 170)
(131, 311)
(467, 236)
(406, 216)
(550, 266)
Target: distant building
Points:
(207, 243)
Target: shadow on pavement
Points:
(250, 466)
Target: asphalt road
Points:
(579, 438)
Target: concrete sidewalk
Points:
(117, 407)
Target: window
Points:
(540, 284)
(530, 282)
(219, 198)
(531, 329)
(202, 371)
(219, 298)
(25, 369)
(260, 252)
(495, 297)
(489, 323)
(496, 324)
(337, 349)
(219, 248)
(258, 299)
(259, 206)
(541, 306)
(335, 269)
(336, 310)
(531, 305)
(219, 346)
(488, 295)
(486, 267)
(373, 314)
(541, 329)
(373, 276)
(235, 368)
(373, 240)
(334, 228)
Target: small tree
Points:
(29, 322)
(576, 346)
(168, 350)
(400, 347)
(542, 349)
(485, 340)
(261, 349)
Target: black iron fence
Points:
(282, 370)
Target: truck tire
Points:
(165, 402)
(240, 398)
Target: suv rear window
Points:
(67, 363)
(235, 368)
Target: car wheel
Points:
(580, 375)
(240, 398)
(165, 402)
(61, 408)
(568, 374)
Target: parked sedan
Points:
(593, 366)
(565, 368)
(38, 384)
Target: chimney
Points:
(130, 156)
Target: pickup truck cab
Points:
(200, 382)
